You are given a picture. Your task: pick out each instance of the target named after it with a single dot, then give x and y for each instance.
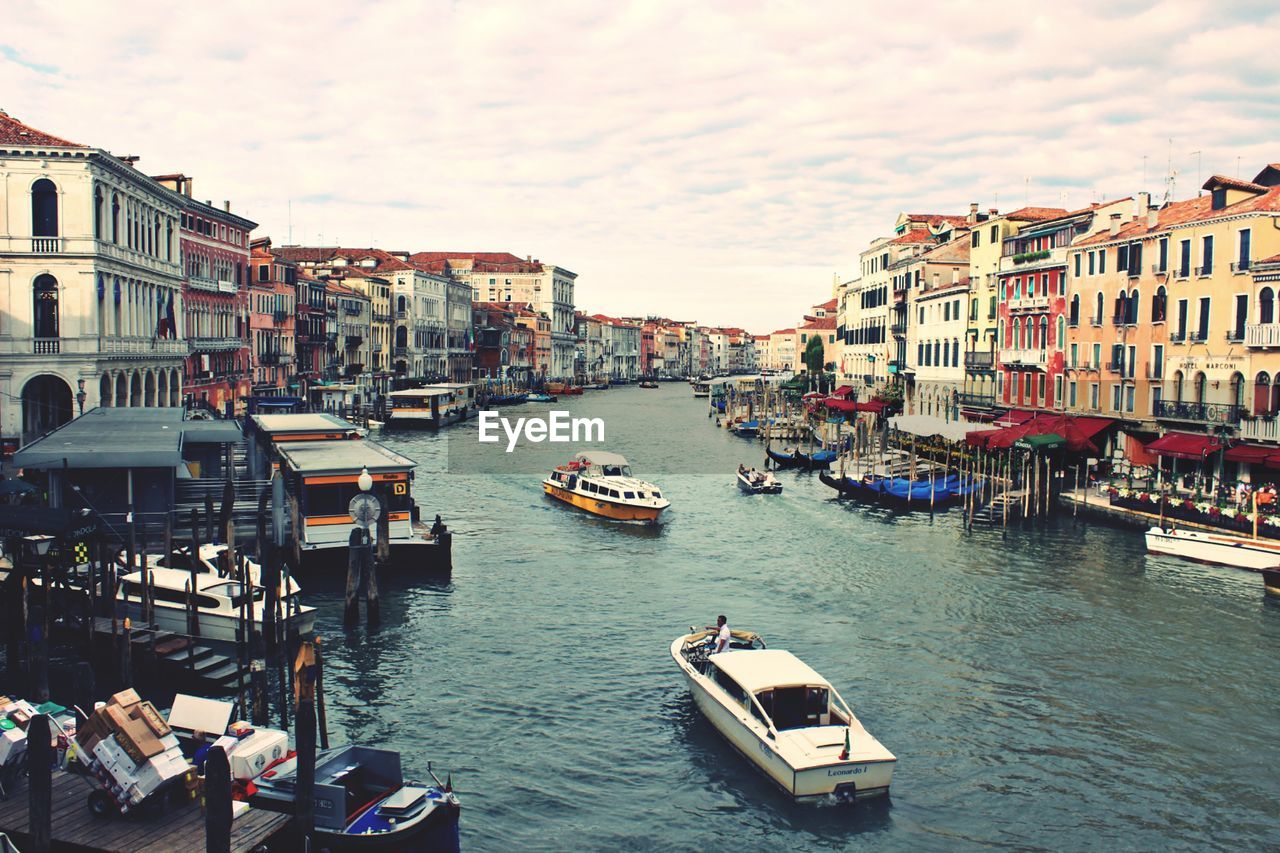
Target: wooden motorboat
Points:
(701, 388)
(431, 407)
(756, 482)
(601, 484)
(217, 601)
(363, 802)
(784, 718)
(563, 388)
(211, 560)
(542, 398)
(648, 383)
(1218, 548)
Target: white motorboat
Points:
(755, 482)
(601, 483)
(784, 718)
(210, 560)
(1239, 552)
(217, 601)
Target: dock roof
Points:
(111, 438)
(317, 457)
(286, 424)
(762, 669)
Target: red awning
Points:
(845, 406)
(843, 392)
(1016, 416)
(812, 395)
(1078, 432)
(1249, 453)
(1184, 445)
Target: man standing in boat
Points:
(723, 634)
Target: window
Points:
(1206, 255)
(1092, 263)
(1075, 354)
(1093, 396)
(45, 307)
(1040, 388)
(1128, 399)
(1157, 361)
(1181, 333)
(1163, 265)
(1026, 384)
(1184, 260)
(1135, 260)
(1122, 258)
(1097, 355)
(973, 239)
(955, 353)
(1102, 262)
(995, 233)
(1097, 314)
(1115, 398)
(1078, 256)
(264, 272)
(1074, 311)
(1218, 198)
(1158, 306)
(1202, 332)
(44, 209)
(1071, 394)
(1062, 332)
(1242, 257)
(1242, 316)
(1266, 305)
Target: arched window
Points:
(1237, 390)
(1044, 332)
(44, 315)
(1177, 386)
(1122, 304)
(1075, 310)
(44, 209)
(1159, 305)
(400, 303)
(1097, 317)
(1200, 387)
(97, 213)
(1266, 306)
(1262, 394)
(1131, 310)
(115, 217)
(1062, 333)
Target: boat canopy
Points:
(764, 669)
(411, 393)
(282, 425)
(342, 457)
(601, 458)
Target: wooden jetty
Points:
(73, 827)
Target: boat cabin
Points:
(779, 689)
(265, 435)
(321, 479)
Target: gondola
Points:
(819, 460)
(869, 488)
(917, 494)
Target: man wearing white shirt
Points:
(723, 635)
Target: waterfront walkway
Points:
(75, 828)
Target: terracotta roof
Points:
(1233, 184)
(938, 219)
(1035, 214)
(820, 323)
(917, 235)
(784, 332)
(1191, 210)
(14, 132)
(955, 250)
(480, 261)
(327, 254)
(1274, 259)
(829, 305)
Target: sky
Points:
(719, 161)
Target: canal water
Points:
(1052, 687)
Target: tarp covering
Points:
(1046, 441)
(1184, 445)
(835, 405)
(843, 392)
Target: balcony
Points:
(46, 245)
(898, 330)
(1235, 336)
(353, 340)
(201, 343)
(1177, 337)
(279, 317)
(353, 310)
(1156, 269)
(202, 282)
(1155, 370)
(402, 315)
(979, 360)
(400, 352)
(1204, 413)
(1199, 336)
(1241, 266)
(1029, 303)
(145, 346)
(1032, 357)
(275, 358)
(47, 346)
(976, 401)
(1115, 367)
(1262, 335)
(1261, 428)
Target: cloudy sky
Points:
(717, 161)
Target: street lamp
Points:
(37, 545)
(80, 395)
(364, 481)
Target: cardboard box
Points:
(252, 755)
(13, 743)
(138, 741)
(114, 718)
(170, 742)
(147, 713)
(125, 699)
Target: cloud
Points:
(718, 161)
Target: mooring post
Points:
(355, 553)
(304, 792)
(126, 654)
(208, 517)
(40, 783)
(84, 689)
(322, 718)
(217, 802)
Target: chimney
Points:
(1115, 224)
(226, 205)
(993, 211)
(186, 189)
(1153, 216)
(528, 259)
(973, 212)
(1141, 203)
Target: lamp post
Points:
(80, 395)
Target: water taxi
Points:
(648, 383)
(1220, 549)
(218, 603)
(784, 717)
(701, 388)
(563, 388)
(601, 483)
(431, 407)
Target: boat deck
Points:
(74, 828)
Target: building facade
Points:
(273, 316)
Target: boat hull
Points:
(215, 627)
(1254, 555)
(604, 509)
(752, 489)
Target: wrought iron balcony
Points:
(978, 360)
(1115, 367)
(1205, 413)
(354, 340)
(898, 330)
(976, 401)
(200, 343)
(279, 317)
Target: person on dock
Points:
(723, 635)
(437, 528)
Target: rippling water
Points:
(1049, 688)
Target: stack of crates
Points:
(134, 751)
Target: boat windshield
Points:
(617, 470)
(232, 590)
(797, 707)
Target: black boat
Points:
(820, 460)
(362, 802)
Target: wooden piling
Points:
(304, 790)
(321, 715)
(217, 802)
(40, 783)
(126, 653)
(208, 517)
(355, 547)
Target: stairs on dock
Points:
(183, 659)
(993, 512)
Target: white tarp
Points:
(927, 425)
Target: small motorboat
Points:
(648, 383)
(210, 560)
(563, 388)
(363, 802)
(601, 484)
(217, 602)
(793, 458)
(755, 482)
(784, 718)
(542, 398)
(1220, 549)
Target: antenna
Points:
(1026, 191)
(290, 222)
(1144, 170)
(1199, 177)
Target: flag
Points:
(844, 754)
